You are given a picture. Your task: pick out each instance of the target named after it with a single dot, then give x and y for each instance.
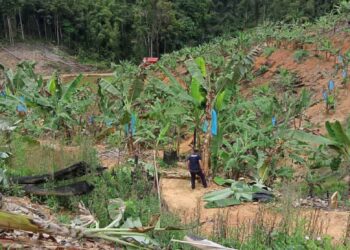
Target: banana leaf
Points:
(135, 89)
(196, 72)
(220, 100)
(218, 195)
(201, 64)
(223, 203)
(52, 84)
(336, 132)
(108, 87)
(71, 88)
(196, 92)
(310, 138)
(172, 79)
(221, 181)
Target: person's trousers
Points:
(193, 179)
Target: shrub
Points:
(287, 79)
(269, 51)
(300, 55)
(262, 70)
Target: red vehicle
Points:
(147, 61)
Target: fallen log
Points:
(11, 221)
(78, 188)
(76, 170)
(174, 174)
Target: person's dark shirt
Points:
(194, 162)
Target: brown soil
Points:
(188, 204)
(48, 58)
(186, 146)
(315, 72)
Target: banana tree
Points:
(209, 90)
(218, 88)
(118, 98)
(23, 78)
(338, 140)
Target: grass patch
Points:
(300, 55)
(29, 157)
(269, 51)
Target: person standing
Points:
(194, 166)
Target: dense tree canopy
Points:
(130, 29)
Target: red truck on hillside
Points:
(147, 61)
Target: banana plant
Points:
(57, 103)
(337, 140)
(208, 91)
(119, 96)
(24, 78)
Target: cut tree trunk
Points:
(77, 170)
(5, 28)
(78, 188)
(45, 31)
(207, 136)
(10, 30)
(21, 23)
(57, 30)
(38, 26)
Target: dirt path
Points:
(188, 204)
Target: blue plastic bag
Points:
(325, 95)
(274, 121)
(22, 107)
(214, 123)
(344, 74)
(91, 119)
(205, 126)
(331, 85)
(340, 59)
(108, 123)
(133, 124)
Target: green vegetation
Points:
(300, 55)
(268, 51)
(118, 30)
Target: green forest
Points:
(122, 29)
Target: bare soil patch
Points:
(188, 204)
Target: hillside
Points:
(48, 58)
(314, 71)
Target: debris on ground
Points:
(236, 193)
(18, 239)
(202, 244)
(311, 202)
